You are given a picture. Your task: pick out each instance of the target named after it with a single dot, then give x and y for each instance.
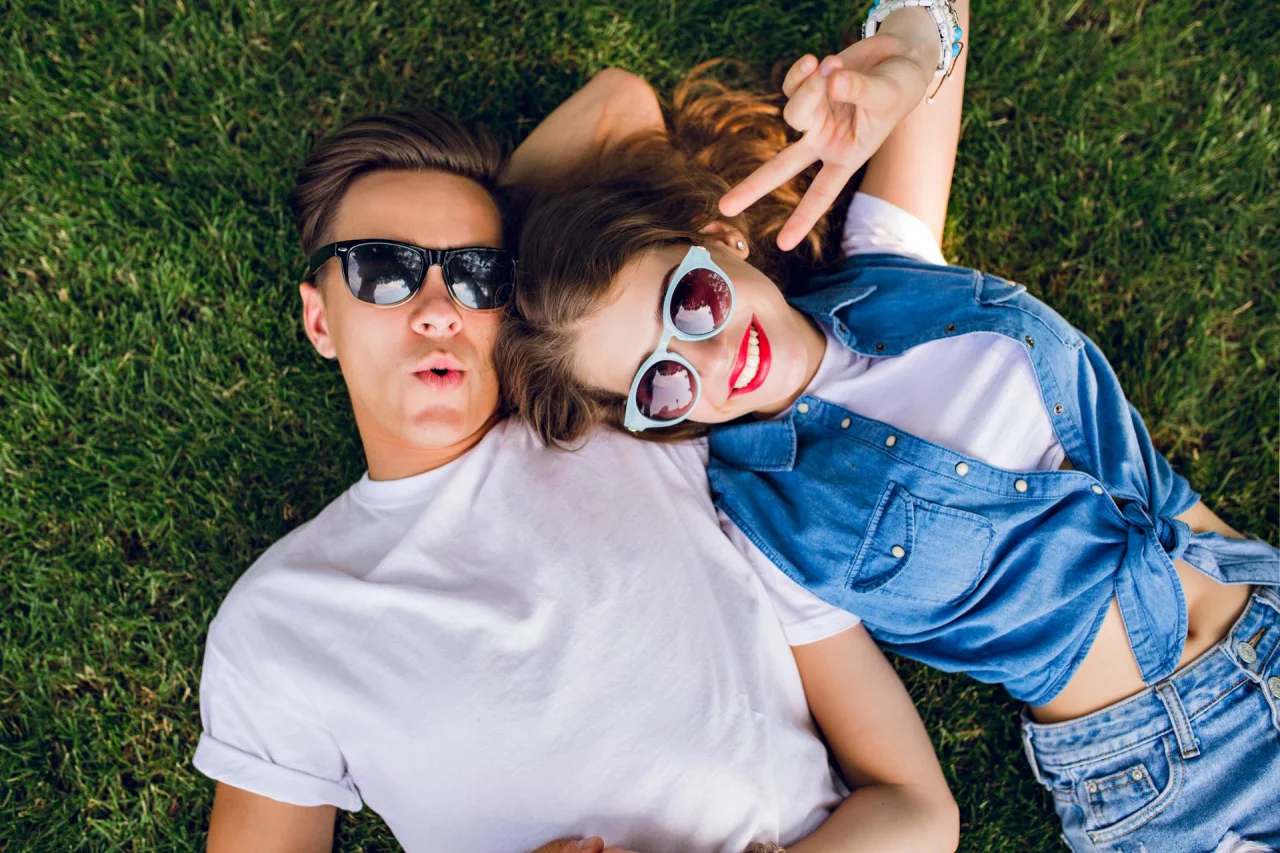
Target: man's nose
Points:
(434, 313)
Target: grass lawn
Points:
(164, 420)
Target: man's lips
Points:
(740, 363)
(440, 372)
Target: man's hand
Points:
(846, 106)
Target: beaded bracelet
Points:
(944, 18)
(766, 847)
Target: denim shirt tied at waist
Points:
(966, 567)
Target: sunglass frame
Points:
(697, 258)
(431, 257)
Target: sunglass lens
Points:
(382, 273)
(700, 302)
(666, 391)
(481, 279)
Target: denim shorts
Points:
(1190, 764)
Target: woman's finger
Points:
(784, 166)
(875, 92)
(796, 74)
(822, 193)
(803, 105)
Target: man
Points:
(490, 643)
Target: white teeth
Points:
(753, 360)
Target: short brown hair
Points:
(417, 140)
(653, 190)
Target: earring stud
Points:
(741, 245)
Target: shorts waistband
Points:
(1244, 654)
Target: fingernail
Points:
(588, 843)
(828, 65)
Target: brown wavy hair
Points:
(652, 190)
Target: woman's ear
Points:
(731, 237)
(314, 320)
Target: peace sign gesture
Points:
(845, 107)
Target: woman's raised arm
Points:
(850, 105)
(913, 167)
(615, 104)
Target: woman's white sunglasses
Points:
(698, 305)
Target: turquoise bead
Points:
(955, 49)
(959, 33)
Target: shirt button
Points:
(962, 468)
(1273, 684)
(1020, 485)
(803, 408)
(845, 424)
(1247, 653)
(1097, 490)
(891, 441)
(900, 552)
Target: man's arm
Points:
(900, 799)
(248, 823)
(615, 104)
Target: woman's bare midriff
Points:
(1109, 672)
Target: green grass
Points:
(164, 420)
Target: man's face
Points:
(405, 411)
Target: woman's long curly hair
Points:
(652, 190)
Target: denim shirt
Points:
(966, 567)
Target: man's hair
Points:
(417, 140)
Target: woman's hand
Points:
(846, 106)
(575, 845)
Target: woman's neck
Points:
(814, 345)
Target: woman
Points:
(927, 447)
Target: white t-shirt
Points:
(976, 394)
(521, 645)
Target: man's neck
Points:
(390, 458)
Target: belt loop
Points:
(1031, 755)
(1188, 746)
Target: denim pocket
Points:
(1126, 791)
(917, 549)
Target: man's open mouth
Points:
(440, 372)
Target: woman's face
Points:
(613, 342)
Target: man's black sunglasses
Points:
(388, 272)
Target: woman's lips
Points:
(740, 363)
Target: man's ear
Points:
(314, 320)
(729, 236)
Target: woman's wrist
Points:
(914, 29)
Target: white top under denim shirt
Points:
(936, 510)
(976, 394)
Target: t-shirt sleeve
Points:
(254, 739)
(805, 617)
(875, 225)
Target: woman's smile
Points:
(754, 358)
